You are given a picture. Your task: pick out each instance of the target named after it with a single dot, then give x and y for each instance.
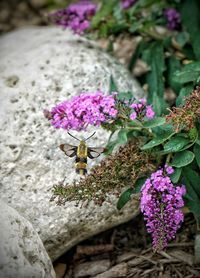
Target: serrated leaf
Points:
(197, 153)
(124, 198)
(190, 11)
(157, 141)
(176, 175)
(158, 121)
(182, 159)
(175, 144)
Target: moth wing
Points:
(69, 150)
(95, 152)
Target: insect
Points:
(81, 153)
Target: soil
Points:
(130, 245)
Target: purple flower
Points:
(125, 4)
(173, 18)
(169, 169)
(83, 110)
(149, 112)
(160, 203)
(141, 110)
(76, 16)
(133, 116)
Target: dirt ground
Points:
(125, 251)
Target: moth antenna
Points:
(73, 136)
(90, 136)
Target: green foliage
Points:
(190, 17)
(175, 144)
(154, 57)
(127, 194)
(158, 49)
(197, 154)
(192, 181)
(173, 61)
(189, 73)
(124, 198)
(176, 175)
(184, 92)
(158, 121)
(182, 159)
(157, 140)
(113, 86)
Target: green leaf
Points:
(140, 48)
(122, 136)
(190, 18)
(193, 134)
(192, 200)
(184, 92)
(172, 66)
(194, 179)
(124, 96)
(124, 198)
(182, 159)
(197, 153)
(158, 121)
(110, 146)
(159, 105)
(176, 175)
(154, 57)
(138, 185)
(157, 141)
(175, 144)
(182, 38)
(113, 86)
(101, 15)
(189, 73)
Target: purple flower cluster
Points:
(160, 203)
(173, 18)
(126, 4)
(83, 110)
(140, 110)
(76, 16)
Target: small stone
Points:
(60, 269)
(91, 268)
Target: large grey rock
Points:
(22, 254)
(40, 67)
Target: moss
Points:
(114, 173)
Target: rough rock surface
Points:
(22, 253)
(40, 67)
